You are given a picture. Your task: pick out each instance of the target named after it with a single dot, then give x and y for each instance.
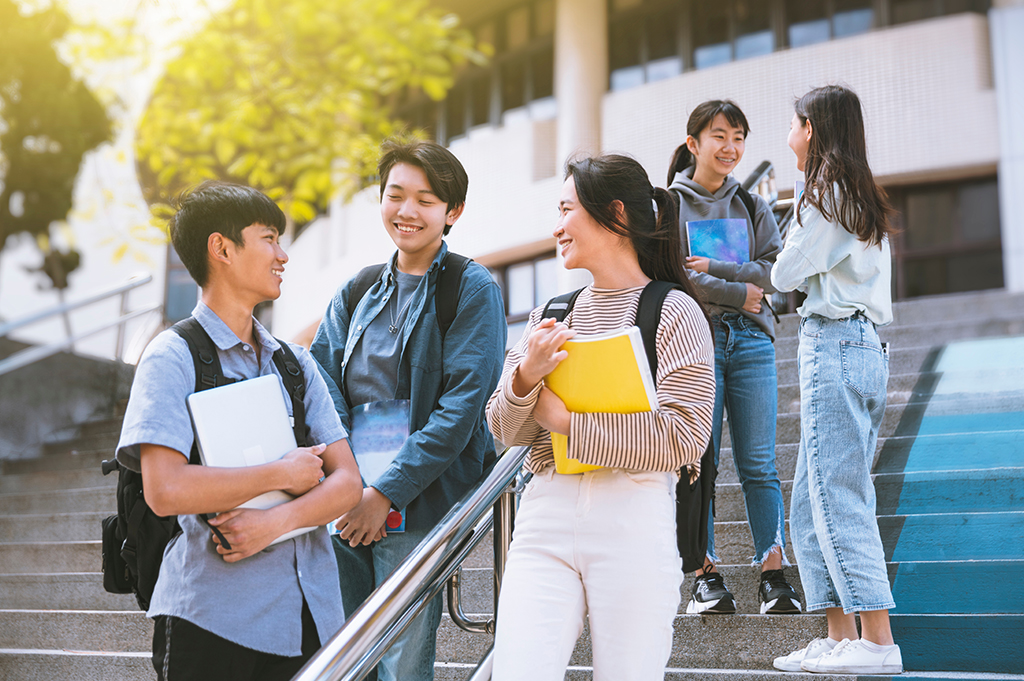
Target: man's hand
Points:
(303, 469)
(550, 412)
(364, 524)
(753, 302)
(697, 263)
(248, 530)
(543, 354)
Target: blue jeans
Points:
(361, 570)
(746, 386)
(843, 376)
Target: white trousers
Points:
(601, 544)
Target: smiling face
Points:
(717, 150)
(799, 140)
(582, 241)
(257, 266)
(414, 217)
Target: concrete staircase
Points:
(949, 476)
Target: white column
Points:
(1006, 24)
(581, 79)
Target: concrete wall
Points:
(926, 89)
(1008, 64)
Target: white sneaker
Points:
(853, 657)
(814, 649)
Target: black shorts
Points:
(184, 652)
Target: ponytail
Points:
(681, 160)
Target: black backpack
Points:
(694, 502)
(446, 296)
(134, 540)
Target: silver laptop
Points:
(245, 424)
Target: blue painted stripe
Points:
(966, 450)
(986, 422)
(958, 536)
(996, 489)
(969, 643)
(921, 588)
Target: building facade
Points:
(935, 78)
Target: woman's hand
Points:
(697, 263)
(550, 412)
(543, 353)
(753, 302)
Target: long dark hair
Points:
(837, 156)
(601, 180)
(700, 119)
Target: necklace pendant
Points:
(392, 328)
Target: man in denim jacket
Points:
(393, 348)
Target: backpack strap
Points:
(748, 202)
(559, 307)
(361, 283)
(648, 316)
(295, 383)
(446, 295)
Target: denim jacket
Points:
(448, 382)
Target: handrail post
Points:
(119, 347)
(504, 523)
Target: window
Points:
(950, 240)
(525, 285)
(903, 11)
(181, 293)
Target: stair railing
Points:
(368, 632)
(34, 354)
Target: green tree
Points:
(294, 96)
(48, 120)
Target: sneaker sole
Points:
(781, 606)
(787, 666)
(866, 669)
(695, 608)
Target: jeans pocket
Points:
(863, 369)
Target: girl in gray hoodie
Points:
(734, 240)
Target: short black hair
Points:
(215, 206)
(448, 179)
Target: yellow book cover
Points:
(605, 373)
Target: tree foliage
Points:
(293, 96)
(48, 120)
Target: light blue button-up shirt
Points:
(256, 602)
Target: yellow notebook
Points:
(606, 373)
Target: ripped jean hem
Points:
(755, 562)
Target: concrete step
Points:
(901, 361)
(65, 501)
(75, 665)
(72, 460)
(52, 527)
(787, 425)
(60, 591)
(455, 671)
(55, 480)
(952, 536)
(91, 442)
(122, 631)
(50, 557)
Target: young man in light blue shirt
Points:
(251, 611)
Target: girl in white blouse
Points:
(602, 543)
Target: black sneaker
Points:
(710, 596)
(776, 595)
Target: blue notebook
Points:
(725, 240)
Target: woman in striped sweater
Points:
(603, 543)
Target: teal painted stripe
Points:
(997, 489)
(921, 588)
(985, 422)
(966, 450)
(969, 643)
(956, 536)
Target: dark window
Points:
(526, 285)
(542, 72)
(513, 83)
(710, 35)
(754, 35)
(455, 112)
(852, 17)
(480, 98)
(625, 50)
(950, 239)
(807, 22)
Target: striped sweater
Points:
(668, 439)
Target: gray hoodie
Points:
(723, 288)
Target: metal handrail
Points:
(370, 630)
(762, 182)
(135, 281)
(34, 354)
